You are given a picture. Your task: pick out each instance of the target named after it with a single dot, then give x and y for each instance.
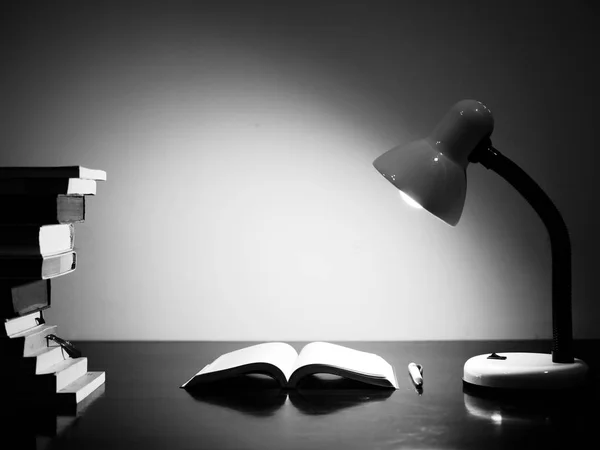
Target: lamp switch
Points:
(496, 356)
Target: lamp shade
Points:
(432, 171)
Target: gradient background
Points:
(238, 138)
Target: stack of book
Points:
(39, 207)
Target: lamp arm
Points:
(562, 332)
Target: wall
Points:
(238, 138)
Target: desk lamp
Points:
(431, 173)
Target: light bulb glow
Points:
(410, 201)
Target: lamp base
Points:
(524, 371)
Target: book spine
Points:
(34, 186)
(37, 267)
(26, 268)
(16, 241)
(52, 172)
(41, 209)
(22, 297)
(47, 186)
(40, 172)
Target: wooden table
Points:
(142, 406)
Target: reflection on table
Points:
(259, 394)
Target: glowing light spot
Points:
(496, 418)
(436, 159)
(410, 201)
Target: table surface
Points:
(141, 405)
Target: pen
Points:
(416, 373)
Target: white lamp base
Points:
(524, 371)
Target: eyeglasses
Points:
(68, 346)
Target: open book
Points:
(283, 363)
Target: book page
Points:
(278, 354)
(81, 186)
(324, 353)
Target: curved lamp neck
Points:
(562, 336)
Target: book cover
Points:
(41, 209)
(38, 267)
(288, 367)
(47, 186)
(36, 240)
(22, 297)
(52, 172)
